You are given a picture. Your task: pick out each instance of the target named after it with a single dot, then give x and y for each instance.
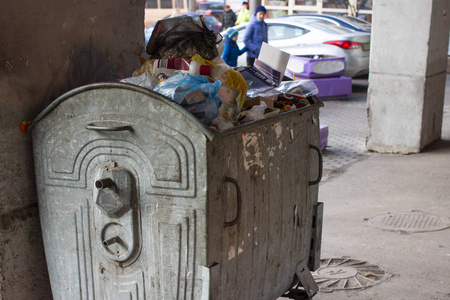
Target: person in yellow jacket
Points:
(243, 15)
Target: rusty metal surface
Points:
(134, 200)
(274, 165)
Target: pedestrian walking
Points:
(255, 35)
(229, 17)
(231, 50)
(244, 14)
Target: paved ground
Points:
(359, 185)
(347, 127)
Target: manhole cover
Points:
(415, 221)
(347, 274)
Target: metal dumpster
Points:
(139, 200)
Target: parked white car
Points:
(316, 39)
(349, 22)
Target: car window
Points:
(322, 19)
(202, 6)
(358, 22)
(216, 5)
(329, 27)
(211, 19)
(209, 5)
(282, 32)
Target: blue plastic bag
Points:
(193, 92)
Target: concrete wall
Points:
(47, 48)
(407, 74)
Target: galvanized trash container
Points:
(139, 200)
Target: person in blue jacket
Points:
(231, 50)
(255, 34)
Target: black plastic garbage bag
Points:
(183, 37)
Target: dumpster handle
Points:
(239, 202)
(319, 176)
(109, 128)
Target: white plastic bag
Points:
(255, 113)
(145, 80)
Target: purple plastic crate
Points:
(333, 87)
(315, 67)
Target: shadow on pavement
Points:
(437, 147)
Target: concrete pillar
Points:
(49, 47)
(252, 5)
(407, 74)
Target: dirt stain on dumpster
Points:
(252, 151)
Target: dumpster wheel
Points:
(297, 291)
(303, 285)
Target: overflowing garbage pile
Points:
(185, 65)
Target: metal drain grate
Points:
(347, 274)
(414, 221)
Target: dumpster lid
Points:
(117, 85)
